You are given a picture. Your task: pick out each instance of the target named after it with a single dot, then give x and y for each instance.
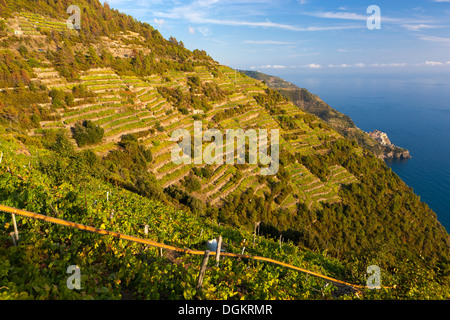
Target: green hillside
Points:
(88, 112)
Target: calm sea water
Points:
(414, 110)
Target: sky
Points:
(322, 36)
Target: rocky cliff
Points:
(390, 151)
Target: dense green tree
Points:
(87, 133)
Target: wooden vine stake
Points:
(16, 232)
(254, 233)
(219, 246)
(203, 269)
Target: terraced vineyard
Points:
(134, 105)
(50, 77)
(32, 24)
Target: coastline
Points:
(377, 142)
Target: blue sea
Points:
(413, 109)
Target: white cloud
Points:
(277, 66)
(397, 64)
(363, 65)
(263, 42)
(417, 27)
(393, 64)
(339, 15)
(159, 22)
(219, 42)
(297, 55)
(309, 66)
(343, 65)
(435, 39)
(199, 12)
(363, 17)
(263, 24)
(332, 28)
(433, 63)
(204, 31)
(343, 50)
(314, 66)
(420, 9)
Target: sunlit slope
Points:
(125, 105)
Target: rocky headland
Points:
(390, 151)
